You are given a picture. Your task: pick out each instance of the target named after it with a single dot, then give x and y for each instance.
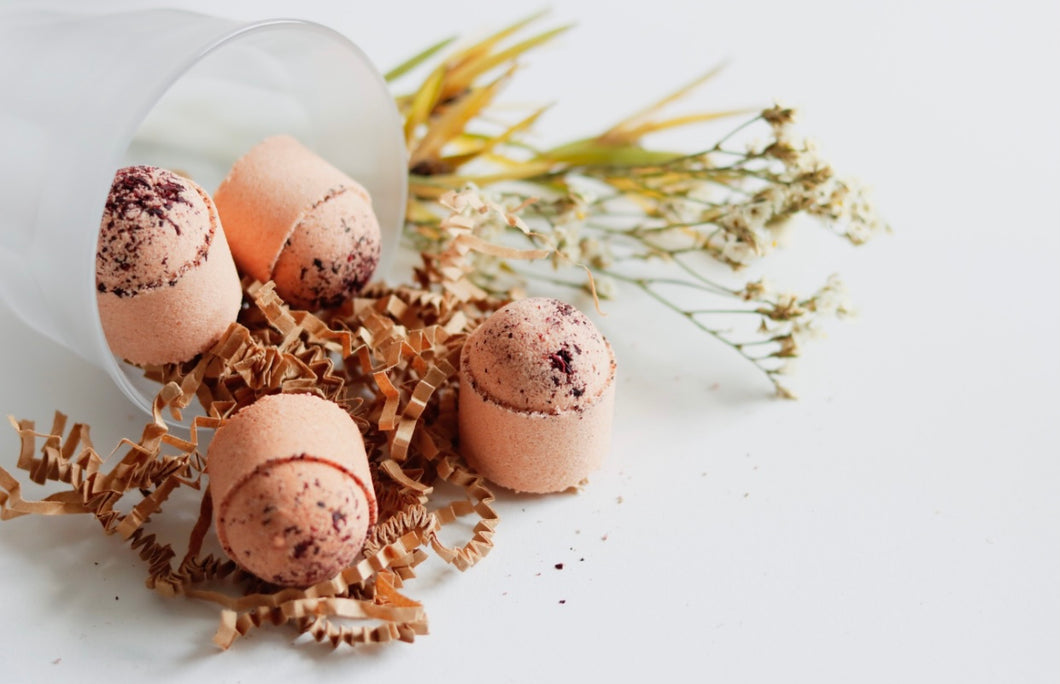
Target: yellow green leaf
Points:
(417, 59)
(461, 77)
(634, 134)
(488, 144)
(451, 121)
(423, 102)
(617, 131)
(436, 186)
(485, 45)
(418, 212)
(592, 152)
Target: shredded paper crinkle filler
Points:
(398, 350)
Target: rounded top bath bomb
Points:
(167, 286)
(292, 493)
(295, 219)
(537, 388)
(539, 354)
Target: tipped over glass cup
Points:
(82, 95)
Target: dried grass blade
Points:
(636, 133)
(488, 144)
(593, 152)
(418, 212)
(453, 120)
(485, 45)
(618, 131)
(423, 102)
(435, 186)
(417, 59)
(463, 75)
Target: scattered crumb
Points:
(559, 566)
(716, 386)
(562, 601)
(59, 659)
(603, 538)
(746, 494)
(618, 499)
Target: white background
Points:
(899, 523)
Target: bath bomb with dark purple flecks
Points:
(537, 391)
(293, 218)
(292, 493)
(167, 287)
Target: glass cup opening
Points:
(191, 93)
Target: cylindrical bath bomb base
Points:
(537, 393)
(528, 451)
(171, 324)
(291, 487)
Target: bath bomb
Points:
(167, 286)
(537, 394)
(291, 489)
(293, 218)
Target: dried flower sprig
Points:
(623, 213)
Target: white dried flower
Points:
(705, 193)
(681, 210)
(831, 299)
(595, 253)
(581, 189)
(736, 251)
(789, 367)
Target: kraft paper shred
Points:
(389, 357)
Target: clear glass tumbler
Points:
(82, 95)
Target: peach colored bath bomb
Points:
(292, 492)
(537, 395)
(293, 218)
(167, 287)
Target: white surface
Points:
(900, 522)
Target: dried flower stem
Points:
(607, 204)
